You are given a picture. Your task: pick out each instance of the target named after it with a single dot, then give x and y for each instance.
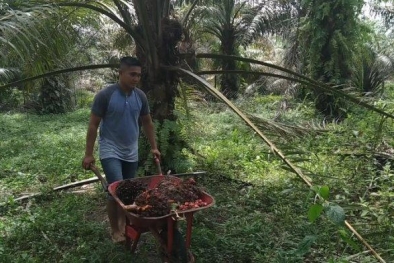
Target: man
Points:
(119, 108)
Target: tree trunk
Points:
(160, 85)
(332, 39)
(230, 82)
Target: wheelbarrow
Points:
(164, 228)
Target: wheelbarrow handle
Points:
(157, 162)
(104, 183)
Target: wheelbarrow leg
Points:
(171, 224)
(189, 222)
(133, 235)
(128, 238)
(135, 242)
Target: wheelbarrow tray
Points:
(156, 222)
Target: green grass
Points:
(62, 228)
(261, 211)
(258, 224)
(41, 151)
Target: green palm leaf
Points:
(185, 19)
(57, 72)
(114, 17)
(283, 130)
(271, 145)
(8, 73)
(308, 82)
(19, 28)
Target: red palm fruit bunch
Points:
(128, 190)
(169, 193)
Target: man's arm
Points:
(91, 136)
(149, 131)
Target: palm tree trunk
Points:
(230, 82)
(161, 86)
(331, 64)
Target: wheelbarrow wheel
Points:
(179, 252)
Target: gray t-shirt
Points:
(119, 129)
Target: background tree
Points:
(155, 35)
(329, 36)
(31, 46)
(235, 24)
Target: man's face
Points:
(130, 76)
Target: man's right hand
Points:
(87, 161)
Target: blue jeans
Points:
(117, 170)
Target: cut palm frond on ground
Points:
(282, 129)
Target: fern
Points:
(172, 141)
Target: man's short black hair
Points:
(129, 62)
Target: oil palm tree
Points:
(383, 9)
(236, 24)
(156, 35)
(31, 46)
(326, 42)
(371, 71)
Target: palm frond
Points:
(308, 82)
(130, 29)
(207, 13)
(50, 48)
(283, 130)
(372, 71)
(124, 11)
(11, 45)
(248, 122)
(248, 22)
(20, 28)
(57, 72)
(110, 9)
(185, 19)
(348, 93)
(235, 11)
(8, 73)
